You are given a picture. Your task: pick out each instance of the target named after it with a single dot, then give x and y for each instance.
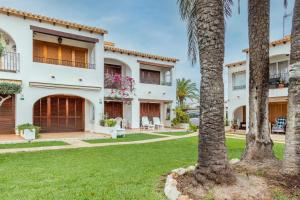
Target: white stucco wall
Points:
(143, 91)
(237, 98)
(19, 30)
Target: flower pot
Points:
(183, 126)
(280, 85)
(29, 134)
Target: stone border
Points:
(170, 189)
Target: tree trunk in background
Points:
(259, 144)
(212, 165)
(291, 162)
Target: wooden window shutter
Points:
(80, 58)
(66, 55)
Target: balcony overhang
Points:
(155, 101)
(63, 34)
(64, 86)
(155, 64)
(117, 99)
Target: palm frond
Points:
(188, 13)
(227, 7)
(285, 3)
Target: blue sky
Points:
(152, 26)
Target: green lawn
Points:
(114, 172)
(127, 138)
(32, 144)
(179, 133)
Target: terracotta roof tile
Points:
(276, 42)
(139, 54)
(236, 64)
(41, 18)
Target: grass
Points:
(32, 144)
(113, 172)
(127, 138)
(175, 133)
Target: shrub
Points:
(30, 127)
(193, 128)
(10, 88)
(181, 117)
(1, 49)
(108, 122)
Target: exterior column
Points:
(135, 113)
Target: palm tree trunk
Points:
(291, 162)
(259, 144)
(212, 165)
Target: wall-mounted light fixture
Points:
(22, 97)
(59, 40)
(100, 101)
(80, 79)
(52, 76)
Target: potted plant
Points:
(109, 127)
(181, 120)
(29, 131)
(281, 83)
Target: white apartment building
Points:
(238, 84)
(62, 68)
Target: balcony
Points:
(69, 63)
(280, 80)
(10, 62)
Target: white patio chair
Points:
(146, 123)
(157, 123)
(120, 131)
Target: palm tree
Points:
(206, 31)
(258, 144)
(186, 89)
(291, 162)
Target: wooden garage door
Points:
(113, 109)
(150, 110)
(59, 114)
(7, 117)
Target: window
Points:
(149, 76)
(278, 72)
(111, 70)
(272, 69)
(239, 80)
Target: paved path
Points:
(78, 143)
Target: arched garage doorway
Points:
(59, 113)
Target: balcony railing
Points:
(279, 80)
(239, 87)
(69, 63)
(166, 83)
(10, 62)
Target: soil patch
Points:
(245, 188)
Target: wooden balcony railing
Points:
(69, 63)
(10, 62)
